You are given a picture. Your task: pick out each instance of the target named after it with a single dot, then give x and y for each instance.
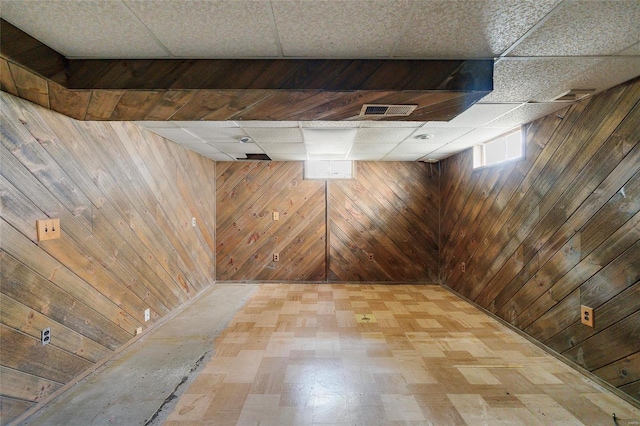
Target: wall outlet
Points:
(45, 336)
(138, 330)
(586, 316)
(464, 267)
(276, 257)
(370, 257)
(48, 229)
(147, 314)
(193, 221)
(276, 215)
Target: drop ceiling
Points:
(541, 48)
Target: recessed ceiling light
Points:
(423, 136)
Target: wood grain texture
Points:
(558, 229)
(125, 198)
(247, 236)
(234, 89)
(391, 211)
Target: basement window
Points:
(328, 169)
(506, 147)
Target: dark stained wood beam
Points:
(236, 89)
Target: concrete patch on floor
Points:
(137, 386)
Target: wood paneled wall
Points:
(560, 228)
(248, 237)
(125, 198)
(389, 211)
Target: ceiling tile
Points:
(440, 135)
(378, 148)
(238, 148)
(413, 148)
(177, 135)
(520, 80)
(480, 114)
(329, 141)
(585, 28)
(208, 28)
(288, 157)
(474, 137)
(633, 50)
(414, 124)
(204, 149)
(269, 124)
(365, 157)
(402, 157)
(326, 156)
(385, 135)
(357, 29)
(468, 29)
(204, 124)
(217, 134)
(220, 157)
(283, 148)
(526, 114)
(84, 29)
(275, 134)
(157, 124)
(330, 124)
(608, 73)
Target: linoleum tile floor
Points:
(300, 355)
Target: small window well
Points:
(506, 147)
(328, 169)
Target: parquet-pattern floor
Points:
(295, 355)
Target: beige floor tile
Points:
(401, 407)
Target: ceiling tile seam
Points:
(151, 33)
(403, 30)
(274, 29)
(531, 30)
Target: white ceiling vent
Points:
(378, 110)
(574, 95)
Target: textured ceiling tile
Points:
(283, 148)
(633, 50)
(383, 135)
(469, 29)
(413, 148)
(402, 157)
(267, 124)
(526, 114)
(220, 157)
(204, 149)
(84, 29)
(326, 156)
(275, 135)
(288, 157)
(414, 124)
(196, 124)
(439, 135)
(209, 29)
(365, 157)
(357, 29)
(379, 148)
(474, 137)
(217, 134)
(480, 114)
(329, 124)
(157, 124)
(585, 28)
(177, 135)
(608, 73)
(238, 148)
(520, 80)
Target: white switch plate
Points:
(147, 315)
(193, 221)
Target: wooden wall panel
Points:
(125, 198)
(247, 235)
(391, 211)
(560, 228)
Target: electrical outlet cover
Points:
(147, 315)
(193, 221)
(586, 316)
(45, 336)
